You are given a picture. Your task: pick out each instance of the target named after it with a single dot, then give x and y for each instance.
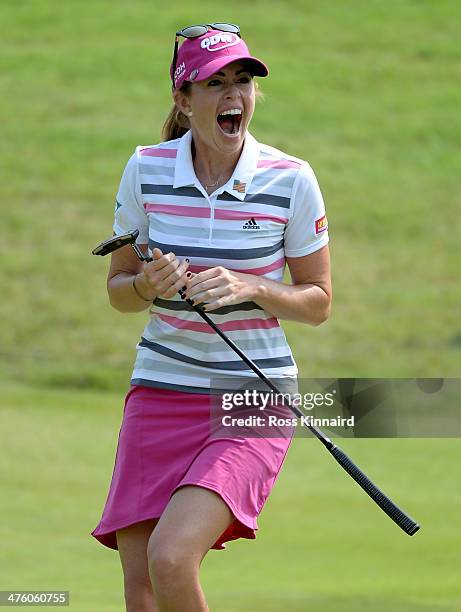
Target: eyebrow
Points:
(238, 72)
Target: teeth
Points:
(232, 111)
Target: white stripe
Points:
(167, 162)
(160, 179)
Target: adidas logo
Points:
(251, 224)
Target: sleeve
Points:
(129, 210)
(307, 228)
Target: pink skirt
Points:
(164, 443)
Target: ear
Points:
(182, 101)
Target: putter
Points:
(403, 520)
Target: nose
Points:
(231, 91)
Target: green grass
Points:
(367, 94)
(322, 544)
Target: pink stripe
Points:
(181, 211)
(196, 211)
(159, 152)
(280, 263)
(277, 163)
(225, 327)
(238, 215)
(197, 269)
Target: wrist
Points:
(141, 290)
(257, 288)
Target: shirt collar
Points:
(241, 178)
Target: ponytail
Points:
(176, 124)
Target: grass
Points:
(322, 544)
(368, 93)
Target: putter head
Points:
(116, 242)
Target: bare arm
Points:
(307, 300)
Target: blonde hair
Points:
(177, 123)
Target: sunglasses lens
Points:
(194, 31)
(226, 27)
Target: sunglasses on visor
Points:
(195, 31)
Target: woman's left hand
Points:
(218, 287)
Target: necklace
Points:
(208, 187)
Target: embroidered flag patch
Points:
(240, 187)
(321, 224)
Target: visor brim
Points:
(256, 66)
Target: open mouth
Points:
(230, 121)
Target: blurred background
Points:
(367, 92)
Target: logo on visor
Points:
(220, 41)
(180, 70)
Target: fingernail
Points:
(187, 260)
(189, 274)
(184, 288)
(181, 294)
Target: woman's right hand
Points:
(162, 277)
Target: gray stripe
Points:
(170, 229)
(267, 199)
(257, 198)
(281, 180)
(156, 170)
(219, 346)
(273, 362)
(191, 192)
(210, 253)
(170, 369)
(144, 382)
(184, 306)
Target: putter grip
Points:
(398, 516)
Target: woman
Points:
(221, 215)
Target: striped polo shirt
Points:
(271, 208)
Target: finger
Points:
(206, 275)
(202, 286)
(156, 278)
(177, 280)
(166, 276)
(210, 295)
(189, 276)
(163, 261)
(156, 253)
(166, 264)
(218, 303)
(208, 279)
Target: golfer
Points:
(222, 215)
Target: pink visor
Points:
(199, 58)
